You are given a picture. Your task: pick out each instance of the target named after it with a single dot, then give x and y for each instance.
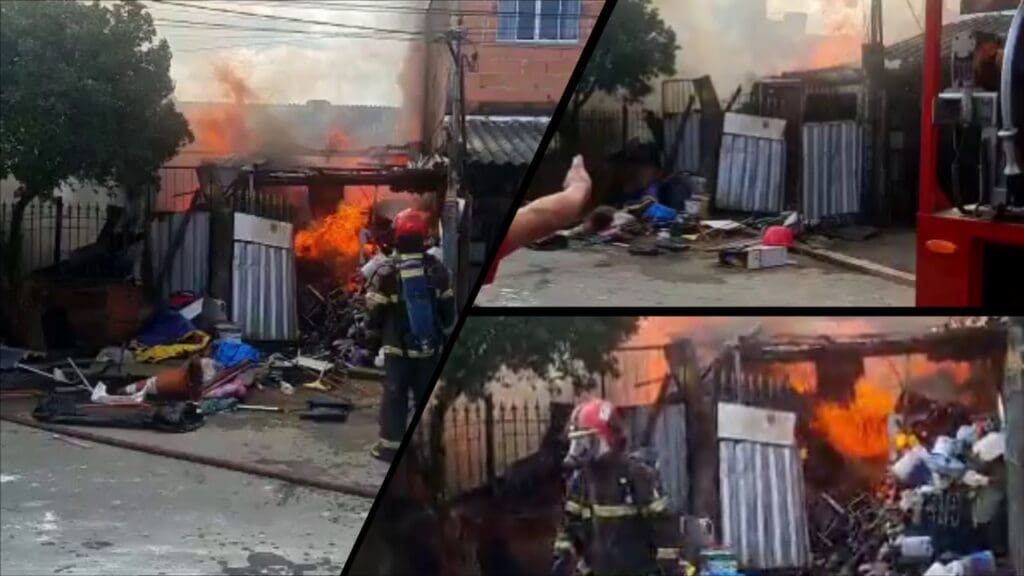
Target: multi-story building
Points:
(518, 57)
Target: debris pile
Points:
(940, 511)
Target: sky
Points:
(703, 29)
(290, 67)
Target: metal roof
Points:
(911, 50)
(909, 53)
(503, 141)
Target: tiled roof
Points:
(911, 50)
(503, 141)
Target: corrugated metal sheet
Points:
(190, 268)
(751, 173)
(263, 292)
(764, 520)
(684, 140)
(503, 141)
(833, 169)
(669, 441)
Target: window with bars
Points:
(539, 20)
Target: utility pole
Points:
(875, 113)
(456, 152)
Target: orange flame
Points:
(336, 237)
(223, 128)
(859, 429)
(834, 50)
(337, 140)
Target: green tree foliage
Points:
(575, 348)
(86, 94)
(636, 48)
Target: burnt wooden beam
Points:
(954, 344)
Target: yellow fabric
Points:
(415, 273)
(194, 341)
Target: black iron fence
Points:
(51, 230)
(482, 438)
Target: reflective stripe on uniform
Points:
(414, 273)
(668, 553)
(657, 506)
(563, 545)
(376, 298)
(410, 256)
(614, 511)
(391, 444)
(576, 508)
(396, 351)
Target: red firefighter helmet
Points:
(411, 222)
(595, 429)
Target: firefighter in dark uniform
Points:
(411, 313)
(616, 520)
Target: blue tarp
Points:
(228, 353)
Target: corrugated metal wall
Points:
(751, 174)
(833, 169)
(263, 291)
(669, 441)
(684, 140)
(764, 520)
(190, 268)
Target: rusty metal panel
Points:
(752, 164)
(683, 142)
(764, 519)
(263, 291)
(190, 267)
(833, 169)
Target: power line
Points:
(286, 18)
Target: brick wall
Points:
(511, 77)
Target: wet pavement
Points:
(278, 441)
(609, 276)
(86, 508)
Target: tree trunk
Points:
(13, 258)
(435, 469)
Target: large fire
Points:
(859, 429)
(336, 237)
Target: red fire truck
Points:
(972, 254)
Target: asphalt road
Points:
(607, 276)
(69, 509)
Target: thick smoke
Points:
(737, 41)
(328, 65)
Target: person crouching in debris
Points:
(547, 215)
(616, 520)
(411, 311)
